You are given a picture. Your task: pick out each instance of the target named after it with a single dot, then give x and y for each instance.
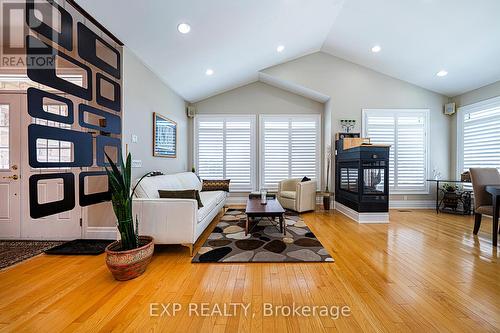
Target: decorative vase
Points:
(129, 264)
(326, 202)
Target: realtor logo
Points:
(13, 32)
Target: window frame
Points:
(427, 149)
(253, 144)
(461, 112)
(319, 147)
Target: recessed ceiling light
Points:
(280, 48)
(184, 28)
(442, 73)
(209, 72)
(376, 49)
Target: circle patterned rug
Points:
(265, 243)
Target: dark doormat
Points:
(14, 251)
(81, 246)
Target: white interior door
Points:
(10, 184)
(64, 225)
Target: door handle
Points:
(15, 177)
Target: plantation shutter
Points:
(225, 149)
(290, 148)
(481, 138)
(406, 132)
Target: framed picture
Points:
(164, 136)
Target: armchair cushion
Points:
(486, 210)
(289, 194)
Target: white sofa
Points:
(175, 221)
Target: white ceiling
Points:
(421, 37)
(238, 38)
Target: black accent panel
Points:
(94, 198)
(106, 141)
(46, 73)
(113, 122)
(82, 146)
(50, 208)
(65, 37)
(35, 106)
(101, 100)
(87, 50)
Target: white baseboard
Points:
(362, 217)
(236, 200)
(100, 233)
(412, 204)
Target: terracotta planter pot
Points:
(126, 265)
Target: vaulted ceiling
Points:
(237, 39)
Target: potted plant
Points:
(128, 257)
(451, 197)
(326, 196)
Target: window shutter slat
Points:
(405, 131)
(225, 150)
(289, 149)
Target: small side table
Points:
(437, 181)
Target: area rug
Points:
(14, 251)
(228, 243)
(81, 247)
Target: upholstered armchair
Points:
(482, 200)
(297, 195)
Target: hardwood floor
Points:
(422, 272)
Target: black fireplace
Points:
(362, 177)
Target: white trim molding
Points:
(362, 218)
(100, 233)
(412, 204)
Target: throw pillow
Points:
(305, 179)
(215, 185)
(181, 194)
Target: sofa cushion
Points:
(215, 185)
(149, 186)
(181, 194)
(210, 200)
(288, 194)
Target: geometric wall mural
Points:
(95, 118)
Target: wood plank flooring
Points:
(421, 273)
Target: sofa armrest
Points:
(169, 221)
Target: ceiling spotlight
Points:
(442, 73)
(280, 48)
(209, 72)
(184, 28)
(376, 49)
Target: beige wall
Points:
(471, 97)
(352, 88)
(258, 98)
(143, 94)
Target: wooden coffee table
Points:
(271, 210)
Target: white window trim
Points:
(253, 138)
(461, 112)
(319, 136)
(427, 143)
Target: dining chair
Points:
(483, 203)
